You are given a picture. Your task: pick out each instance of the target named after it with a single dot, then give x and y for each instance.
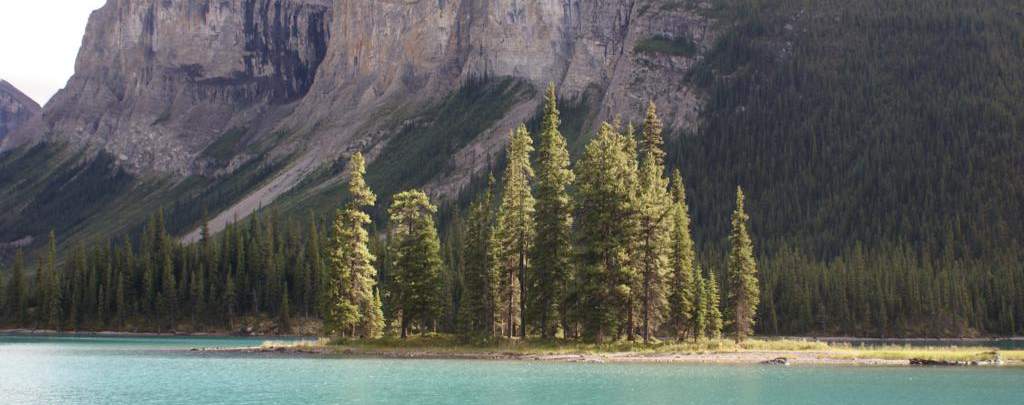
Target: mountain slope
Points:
(188, 95)
(15, 109)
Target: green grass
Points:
(443, 344)
(225, 147)
(439, 343)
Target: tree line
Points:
(599, 251)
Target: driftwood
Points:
(779, 361)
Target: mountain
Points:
(228, 106)
(848, 123)
(15, 109)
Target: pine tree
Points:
(168, 297)
(743, 287)
(320, 292)
(285, 311)
(682, 286)
(416, 259)
(17, 296)
(654, 242)
(606, 229)
(552, 249)
(54, 295)
(373, 324)
(700, 312)
(712, 307)
(514, 231)
(479, 302)
(652, 141)
(352, 273)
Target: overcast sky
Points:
(39, 40)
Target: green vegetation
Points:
(226, 147)
(666, 45)
(878, 145)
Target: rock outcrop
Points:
(15, 109)
(158, 83)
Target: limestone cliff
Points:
(157, 81)
(159, 84)
(15, 109)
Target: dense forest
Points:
(614, 259)
(878, 146)
(881, 144)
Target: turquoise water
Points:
(162, 370)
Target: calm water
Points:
(161, 370)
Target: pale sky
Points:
(39, 40)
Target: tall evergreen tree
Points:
(682, 286)
(606, 182)
(651, 138)
(712, 311)
(373, 325)
(514, 232)
(17, 295)
(416, 260)
(743, 286)
(552, 249)
(654, 241)
(699, 319)
(352, 273)
(167, 299)
(479, 302)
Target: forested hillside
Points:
(879, 145)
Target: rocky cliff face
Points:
(159, 82)
(15, 109)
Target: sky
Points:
(39, 40)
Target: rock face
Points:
(15, 109)
(158, 82)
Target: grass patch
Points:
(439, 343)
(225, 147)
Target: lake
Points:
(94, 370)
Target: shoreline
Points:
(108, 333)
(838, 351)
(745, 358)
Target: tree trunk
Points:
(522, 292)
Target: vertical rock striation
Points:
(157, 81)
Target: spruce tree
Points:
(651, 138)
(653, 244)
(682, 287)
(712, 307)
(552, 249)
(514, 231)
(352, 273)
(373, 325)
(606, 181)
(17, 296)
(54, 292)
(416, 259)
(285, 311)
(479, 299)
(743, 287)
(167, 299)
(700, 313)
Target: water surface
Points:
(162, 370)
